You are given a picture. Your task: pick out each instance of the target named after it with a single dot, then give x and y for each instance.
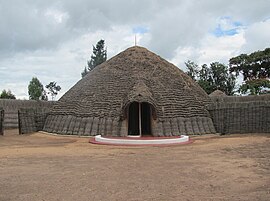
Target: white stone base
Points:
(138, 141)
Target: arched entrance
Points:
(139, 119)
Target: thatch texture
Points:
(217, 93)
(98, 103)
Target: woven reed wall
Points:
(1, 121)
(11, 108)
(249, 114)
(32, 120)
(72, 125)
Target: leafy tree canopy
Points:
(255, 68)
(7, 95)
(255, 86)
(36, 90)
(98, 57)
(192, 69)
(53, 89)
(213, 77)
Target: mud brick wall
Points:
(11, 108)
(249, 114)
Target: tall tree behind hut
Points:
(212, 77)
(255, 68)
(98, 57)
(36, 90)
(53, 89)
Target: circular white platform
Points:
(183, 139)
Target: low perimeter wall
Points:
(246, 114)
(11, 108)
(32, 119)
(1, 121)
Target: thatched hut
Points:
(134, 93)
(217, 93)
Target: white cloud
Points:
(53, 39)
(183, 54)
(56, 15)
(257, 36)
(220, 48)
(62, 65)
(211, 49)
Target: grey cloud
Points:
(179, 26)
(33, 43)
(257, 37)
(24, 25)
(186, 23)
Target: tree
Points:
(36, 90)
(222, 79)
(255, 86)
(205, 79)
(53, 89)
(192, 69)
(7, 95)
(85, 71)
(255, 69)
(98, 57)
(216, 76)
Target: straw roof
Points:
(217, 93)
(135, 74)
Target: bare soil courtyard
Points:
(46, 167)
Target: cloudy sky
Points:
(52, 39)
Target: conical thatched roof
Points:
(217, 93)
(135, 74)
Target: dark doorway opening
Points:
(139, 119)
(145, 119)
(133, 119)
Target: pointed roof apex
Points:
(217, 93)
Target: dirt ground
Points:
(46, 167)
